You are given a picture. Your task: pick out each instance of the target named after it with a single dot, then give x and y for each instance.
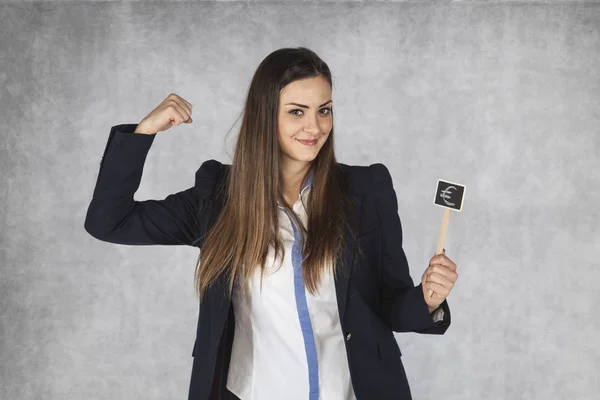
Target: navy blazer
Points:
(375, 298)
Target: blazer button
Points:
(348, 336)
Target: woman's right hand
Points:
(173, 110)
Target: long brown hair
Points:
(238, 242)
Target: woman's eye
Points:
(329, 111)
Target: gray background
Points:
(500, 96)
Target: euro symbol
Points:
(445, 194)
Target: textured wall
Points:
(501, 96)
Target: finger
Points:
(180, 101)
(439, 268)
(186, 102)
(443, 260)
(177, 116)
(446, 272)
(427, 289)
(441, 279)
(185, 109)
(437, 288)
(431, 294)
(185, 105)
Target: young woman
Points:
(301, 276)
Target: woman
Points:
(301, 277)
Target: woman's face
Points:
(309, 118)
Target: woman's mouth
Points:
(308, 142)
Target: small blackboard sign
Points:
(449, 195)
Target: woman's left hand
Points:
(439, 277)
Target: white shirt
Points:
(288, 344)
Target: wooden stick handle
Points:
(440, 248)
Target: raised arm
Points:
(114, 216)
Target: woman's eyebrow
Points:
(303, 106)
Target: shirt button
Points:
(348, 336)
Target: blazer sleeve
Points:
(114, 216)
(403, 305)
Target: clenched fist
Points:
(172, 111)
